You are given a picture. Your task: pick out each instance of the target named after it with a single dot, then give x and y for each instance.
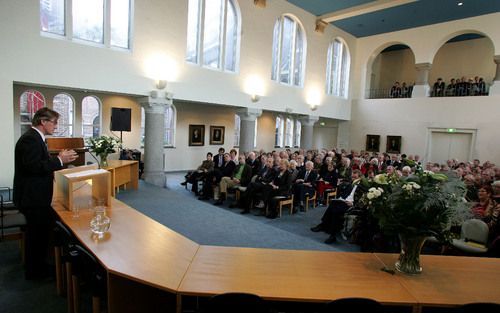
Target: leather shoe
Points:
(331, 239)
(203, 198)
(272, 215)
(218, 202)
(245, 212)
(317, 228)
(184, 183)
(233, 205)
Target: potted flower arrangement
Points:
(414, 208)
(102, 146)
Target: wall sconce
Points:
(313, 98)
(161, 84)
(255, 98)
(314, 107)
(254, 87)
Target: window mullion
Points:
(201, 31)
(107, 24)
(222, 39)
(68, 25)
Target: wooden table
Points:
(292, 275)
(123, 173)
(448, 281)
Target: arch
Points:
(433, 50)
(91, 116)
(371, 59)
(30, 101)
(338, 73)
(294, 71)
(64, 104)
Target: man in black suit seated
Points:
(305, 184)
(280, 186)
(214, 177)
(33, 188)
(265, 177)
(201, 172)
(241, 176)
(219, 158)
(333, 218)
(253, 162)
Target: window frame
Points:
(277, 50)
(71, 116)
(338, 77)
(172, 127)
(199, 59)
(279, 132)
(106, 40)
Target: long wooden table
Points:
(151, 268)
(123, 173)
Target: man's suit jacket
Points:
(311, 178)
(216, 160)
(34, 172)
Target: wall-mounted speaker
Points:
(121, 119)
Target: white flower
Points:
(377, 193)
(380, 189)
(372, 189)
(370, 195)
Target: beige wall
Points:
(393, 66)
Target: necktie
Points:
(307, 174)
(220, 161)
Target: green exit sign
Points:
(451, 130)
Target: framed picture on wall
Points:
(196, 135)
(217, 135)
(393, 144)
(373, 143)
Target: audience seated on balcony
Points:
(460, 87)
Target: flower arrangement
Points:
(102, 146)
(415, 207)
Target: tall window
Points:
(213, 34)
(29, 102)
(288, 51)
(289, 133)
(169, 126)
(64, 105)
(278, 140)
(91, 119)
(298, 129)
(255, 134)
(104, 22)
(143, 125)
(338, 65)
(237, 125)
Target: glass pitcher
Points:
(100, 223)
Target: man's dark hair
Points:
(221, 150)
(44, 114)
(210, 154)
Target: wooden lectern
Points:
(79, 186)
(56, 144)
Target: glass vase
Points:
(100, 223)
(409, 258)
(104, 160)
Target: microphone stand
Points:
(95, 158)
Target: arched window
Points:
(237, 125)
(289, 133)
(29, 102)
(338, 64)
(169, 126)
(91, 118)
(64, 105)
(298, 129)
(213, 34)
(278, 141)
(91, 20)
(288, 51)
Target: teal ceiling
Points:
(414, 14)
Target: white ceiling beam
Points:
(362, 9)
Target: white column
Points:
(495, 87)
(154, 108)
(422, 88)
(248, 116)
(307, 129)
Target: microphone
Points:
(95, 158)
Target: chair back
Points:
(236, 302)
(345, 305)
(62, 235)
(481, 307)
(475, 230)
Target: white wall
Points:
(413, 118)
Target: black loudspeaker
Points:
(120, 119)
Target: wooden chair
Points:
(63, 244)
(12, 221)
(312, 199)
(474, 237)
(345, 305)
(282, 201)
(330, 194)
(479, 307)
(236, 302)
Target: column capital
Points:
(154, 104)
(496, 58)
(423, 66)
(249, 114)
(308, 120)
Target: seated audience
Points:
(200, 173)
(240, 177)
(265, 177)
(304, 184)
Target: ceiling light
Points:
(460, 3)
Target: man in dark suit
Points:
(33, 187)
(305, 184)
(241, 176)
(219, 158)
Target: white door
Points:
(446, 146)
